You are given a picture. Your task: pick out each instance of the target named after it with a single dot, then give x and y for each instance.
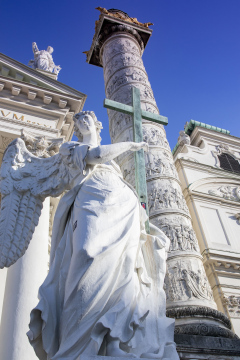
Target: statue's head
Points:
(50, 49)
(78, 118)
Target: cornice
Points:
(18, 70)
(200, 133)
(33, 93)
(212, 170)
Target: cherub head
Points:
(86, 121)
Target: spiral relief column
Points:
(117, 46)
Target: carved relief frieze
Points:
(129, 75)
(157, 163)
(124, 94)
(119, 122)
(155, 136)
(166, 195)
(121, 45)
(181, 234)
(232, 304)
(121, 61)
(227, 192)
(184, 281)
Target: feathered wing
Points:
(25, 181)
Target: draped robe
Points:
(98, 284)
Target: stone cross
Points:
(138, 114)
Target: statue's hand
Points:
(138, 146)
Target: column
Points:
(118, 46)
(22, 284)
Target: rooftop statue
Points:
(104, 293)
(43, 60)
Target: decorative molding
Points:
(204, 329)
(198, 311)
(62, 103)
(32, 95)
(47, 99)
(223, 149)
(16, 90)
(227, 192)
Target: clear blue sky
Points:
(192, 58)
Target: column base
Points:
(207, 347)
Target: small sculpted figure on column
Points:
(104, 291)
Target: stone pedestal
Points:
(117, 46)
(22, 284)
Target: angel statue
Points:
(104, 293)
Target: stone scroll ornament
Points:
(25, 181)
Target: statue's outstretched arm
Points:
(34, 47)
(25, 181)
(104, 153)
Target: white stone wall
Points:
(212, 195)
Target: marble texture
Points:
(43, 60)
(104, 293)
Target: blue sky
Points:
(192, 58)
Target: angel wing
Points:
(25, 181)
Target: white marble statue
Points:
(104, 291)
(43, 60)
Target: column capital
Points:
(113, 21)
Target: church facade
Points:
(35, 106)
(207, 159)
(38, 108)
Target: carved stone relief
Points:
(181, 235)
(119, 123)
(124, 94)
(123, 68)
(183, 138)
(166, 195)
(121, 61)
(121, 45)
(129, 75)
(187, 282)
(154, 136)
(227, 192)
(40, 146)
(157, 163)
(232, 303)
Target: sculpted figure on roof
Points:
(43, 59)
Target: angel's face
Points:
(85, 124)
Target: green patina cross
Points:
(138, 114)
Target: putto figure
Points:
(43, 60)
(104, 293)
